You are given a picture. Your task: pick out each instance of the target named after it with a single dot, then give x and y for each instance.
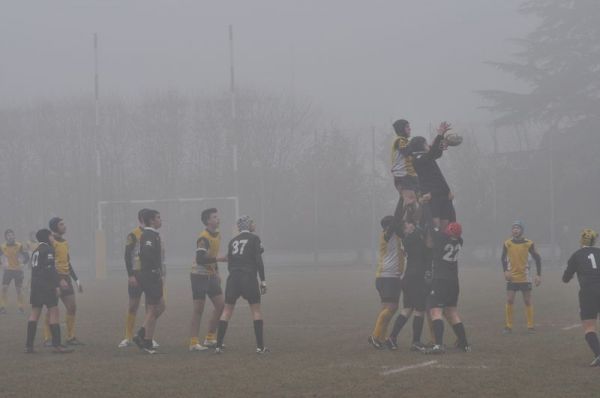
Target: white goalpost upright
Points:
(101, 247)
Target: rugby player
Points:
(405, 177)
(245, 261)
(206, 281)
(585, 262)
(45, 290)
(515, 256)
(16, 256)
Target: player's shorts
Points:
(415, 292)
(135, 292)
(69, 291)
(43, 296)
(242, 284)
(518, 286)
(444, 293)
(389, 289)
(406, 183)
(13, 274)
(589, 302)
(205, 285)
(152, 287)
(442, 208)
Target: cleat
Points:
(595, 362)
(138, 342)
(155, 344)
(197, 347)
(437, 349)
(391, 344)
(74, 341)
(209, 343)
(219, 350)
(149, 351)
(507, 330)
(375, 343)
(125, 343)
(48, 344)
(530, 330)
(464, 348)
(418, 346)
(29, 350)
(61, 349)
(263, 350)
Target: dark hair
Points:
(416, 144)
(53, 223)
(149, 215)
(400, 127)
(387, 221)
(206, 214)
(43, 235)
(141, 214)
(8, 231)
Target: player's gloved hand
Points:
(537, 280)
(263, 288)
(132, 281)
(428, 277)
(507, 276)
(79, 287)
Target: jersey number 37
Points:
(239, 246)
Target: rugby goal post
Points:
(100, 238)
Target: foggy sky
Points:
(363, 63)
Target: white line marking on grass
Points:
(409, 367)
(571, 327)
(460, 367)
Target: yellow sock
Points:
(381, 325)
(508, 315)
(70, 326)
(210, 336)
(47, 332)
(129, 326)
(529, 312)
(194, 341)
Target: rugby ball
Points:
(453, 139)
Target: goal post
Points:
(101, 246)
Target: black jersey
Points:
(43, 270)
(431, 179)
(415, 249)
(151, 251)
(244, 254)
(445, 256)
(585, 262)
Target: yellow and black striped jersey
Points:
(390, 261)
(515, 258)
(210, 244)
(14, 255)
(61, 255)
(401, 163)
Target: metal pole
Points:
(232, 97)
(552, 200)
(372, 201)
(315, 203)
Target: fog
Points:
(317, 87)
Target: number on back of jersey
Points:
(451, 252)
(238, 247)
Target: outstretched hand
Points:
(444, 128)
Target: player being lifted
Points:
(405, 177)
(443, 299)
(65, 273)
(15, 256)
(150, 279)
(515, 256)
(133, 266)
(244, 256)
(206, 280)
(390, 267)
(45, 290)
(585, 262)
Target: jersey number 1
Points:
(593, 260)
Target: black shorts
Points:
(389, 289)
(69, 291)
(13, 274)
(444, 293)
(518, 286)
(43, 296)
(442, 208)
(152, 287)
(135, 292)
(415, 292)
(242, 284)
(406, 183)
(589, 302)
(205, 285)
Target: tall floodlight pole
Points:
(372, 201)
(233, 111)
(100, 240)
(315, 201)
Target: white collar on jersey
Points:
(151, 229)
(245, 230)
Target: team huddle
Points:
(419, 247)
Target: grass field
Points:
(316, 322)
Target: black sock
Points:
(31, 329)
(592, 340)
(399, 212)
(148, 344)
(459, 329)
(417, 328)
(142, 333)
(438, 331)
(55, 330)
(221, 333)
(398, 325)
(258, 332)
